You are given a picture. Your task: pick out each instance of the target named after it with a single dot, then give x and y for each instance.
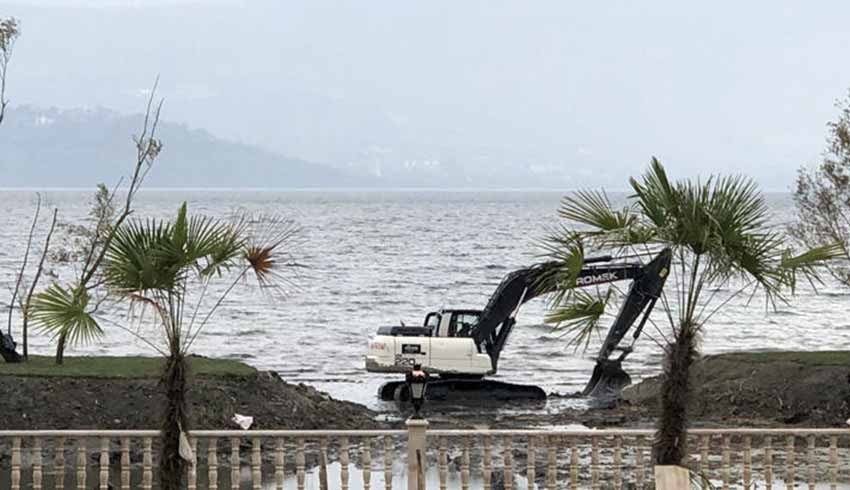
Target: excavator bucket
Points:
(608, 379)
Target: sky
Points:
(575, 93)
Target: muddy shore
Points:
(769, 389)
(34, 402)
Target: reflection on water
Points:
(311, 481)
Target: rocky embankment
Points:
(51, 402)
(759, 389)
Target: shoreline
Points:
(753, 389)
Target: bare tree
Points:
(20, 277)
(76, 297)
(9, 32)
(822, 196)
(26, 301)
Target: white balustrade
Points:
(465, 459)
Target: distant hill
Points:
(80, 147)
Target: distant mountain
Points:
(80, 147)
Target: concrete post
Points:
(672, 478)
(416, 453)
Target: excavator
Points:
(460, 348)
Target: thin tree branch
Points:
(20, 277)
(25, 309)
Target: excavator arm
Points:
(498, 317)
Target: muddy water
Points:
(377, 258)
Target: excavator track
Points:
(460, 390)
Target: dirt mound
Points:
(35, 402)
(764, 388)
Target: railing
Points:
(420, 458)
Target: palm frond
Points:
(655, 195)
(565, 259)
(60, 311)
(268, 250)
(213, 244)
(142, 258)
(805, 264)
(578, 315)
(594, 209)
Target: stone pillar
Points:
(672, 478)
(416, 452)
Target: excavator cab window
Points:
(432, 321)
(463, 321)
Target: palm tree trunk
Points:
(60, 348)
(175, 418)
(671, 437)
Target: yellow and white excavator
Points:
(462, 347)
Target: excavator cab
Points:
(447, 323)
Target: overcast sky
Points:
(584, 91)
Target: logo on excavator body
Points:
(604, 277)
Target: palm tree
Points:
(164, 272)
(719, 235)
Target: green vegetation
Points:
(822, 196)
(817, 358)
(720, 235)
(128, 367)
(164, 271)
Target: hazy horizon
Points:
(567, 95)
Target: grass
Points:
(816, 358)
(120, 367)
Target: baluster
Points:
(594, 463)
(212, 463)
(323, 464)
(748, 461)
(16, 463)
(812, 463)
(443, 463)
(790, 454)
(343, 462)
(235, 463)
(147, 464)
(530, 470)
(640, 471)
(768, 463)
(464, 465)
(704, 445)
(508, 462)
(487, 465)
(573, 463)
(618, 463)
(299, 462)
(37, 470)
(104, 463)
(367, 463)
(81, 464)
(125, 463)
(388, 463)
(727, 462)
(279, 463)
(257, 464)
(59, 465)
(192, 470)
(833, 462)
(552, 464)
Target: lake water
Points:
(376, 258)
